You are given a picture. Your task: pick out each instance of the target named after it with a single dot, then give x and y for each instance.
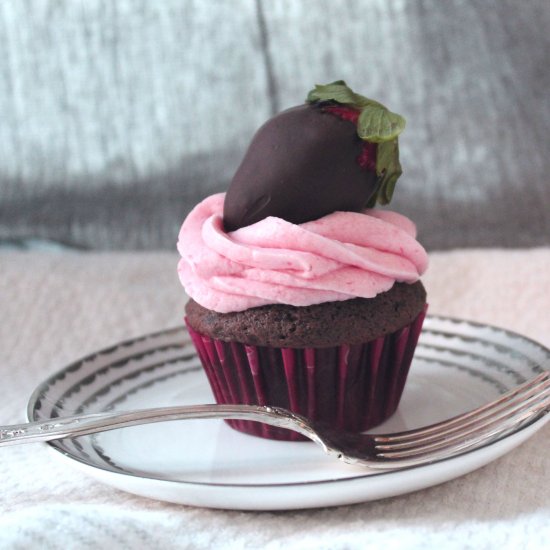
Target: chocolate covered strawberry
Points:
(337, 152)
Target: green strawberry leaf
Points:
(388, 170)
(335, 91)
(376, 124)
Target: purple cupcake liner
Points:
(350, 387)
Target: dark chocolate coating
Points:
(354, 321)
(300, 166)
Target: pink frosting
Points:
(340, 256)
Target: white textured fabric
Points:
(58, 307)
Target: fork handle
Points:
(75, 426)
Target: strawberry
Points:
(336, 152)
(367, 158)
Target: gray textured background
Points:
(116, 117)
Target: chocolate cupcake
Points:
(303, 295)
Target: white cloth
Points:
(58, 307)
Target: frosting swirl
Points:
(340, 256)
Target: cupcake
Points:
(303, 295)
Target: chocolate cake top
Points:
(324, 325)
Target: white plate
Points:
(458, 365)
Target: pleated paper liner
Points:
(351, 387)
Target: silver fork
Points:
(516, 408)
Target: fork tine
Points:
(482, 439)
(516, 404)
(382, 463)
(501, 428)
(441, 429)
(478, 432)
